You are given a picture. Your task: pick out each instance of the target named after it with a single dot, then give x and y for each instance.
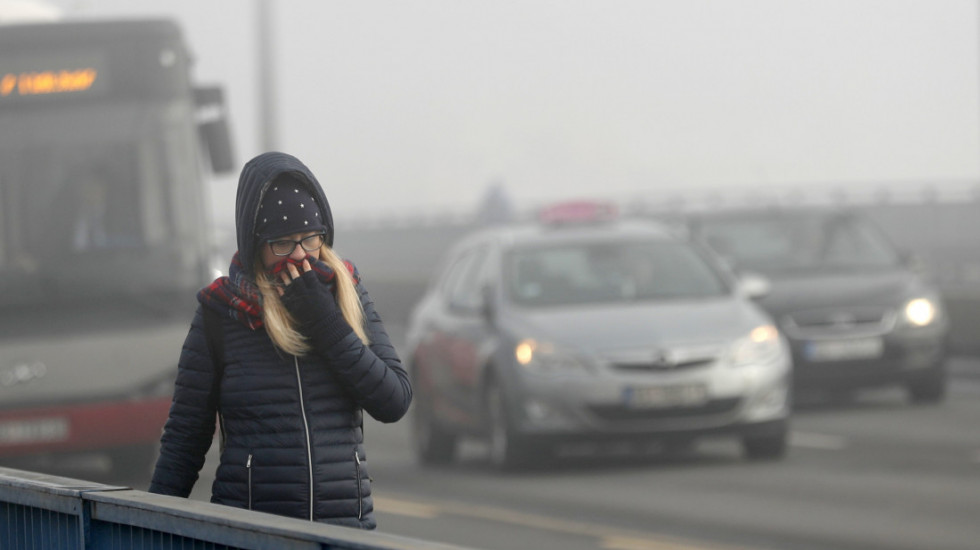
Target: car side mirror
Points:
(754, 285)
(213, 128)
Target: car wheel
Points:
(433, 444)
(508, 451)
(766, 447)
(928, 389)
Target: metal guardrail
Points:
(42, 512)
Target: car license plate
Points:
(665, 396)
(843, 350)
(35, 430)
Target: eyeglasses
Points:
(285, 247)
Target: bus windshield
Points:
(100, 167)
(96, 210)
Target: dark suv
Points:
(855, 311)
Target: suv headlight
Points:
(920, 312)
(546, 358)
(761, 345)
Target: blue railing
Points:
(41, 512)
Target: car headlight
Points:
(761, 345)
(546, 358)
(920, 312)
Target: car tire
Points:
(433, 444)
(507, 450)
(766, 447)
(929, 389)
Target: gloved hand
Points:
(311, 302)
(308, 299)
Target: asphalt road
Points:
(872, 474)
(877, 473)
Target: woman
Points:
(295, 354)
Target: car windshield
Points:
(803, 242)
(609, 272)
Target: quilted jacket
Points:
(294, 443)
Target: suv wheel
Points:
(433, 444)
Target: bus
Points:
(106, 145)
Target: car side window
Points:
(462, 286)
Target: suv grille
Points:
(836, 322)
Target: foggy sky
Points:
(405, 106)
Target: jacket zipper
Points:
(306, 424)
(360, 500)
(221, 430)
(248, 466)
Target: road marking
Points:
(629, 543)
(611, 538)
(817, 441)
(406, 508)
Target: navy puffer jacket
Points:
(293, 425)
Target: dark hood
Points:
(252, 184)
(888, 288)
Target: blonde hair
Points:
(280, 324)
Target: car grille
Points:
(664, 359)
(836, 322)
(620, 413)
(642, 366)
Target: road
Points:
(872, 474)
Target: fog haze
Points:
(402, 107)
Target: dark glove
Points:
(311, 302)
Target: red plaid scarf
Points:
(237, 295)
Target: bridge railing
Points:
(39, 511)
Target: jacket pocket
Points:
(360, 498)
(248, 468)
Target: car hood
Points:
(596, 329)
(830, 290)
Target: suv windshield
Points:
(799, 242)
(609, 272)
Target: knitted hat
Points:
(287, 207)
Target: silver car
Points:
(542, 335)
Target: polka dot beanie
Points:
(287, 208)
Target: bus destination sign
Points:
(48, 82)
(42, 76)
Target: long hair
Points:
(280, 324)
